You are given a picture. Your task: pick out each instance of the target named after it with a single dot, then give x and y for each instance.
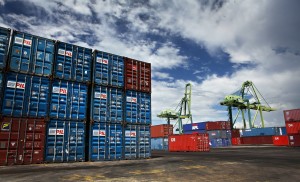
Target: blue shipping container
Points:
(1, 90)
(194, 131)
(130, 141)
(282, 131)
(159, 144)
(65, 141)
(106, 142)
(219, 142)
(73, 63)
(68, 100)
(138, 107)
(4, 43)
(270, 131)
(108, 69)
(217, 134)
(194, 126)
(144, 139)
(26, 96)
(107, 104)
(31, 54)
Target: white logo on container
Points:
(13, 84)
(58, 90)
(102, 60)
(56, 131)
(99, 133)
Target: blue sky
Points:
(215, 45)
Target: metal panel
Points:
(26, 96)
(1, 90)
(108, 69)
(292, 127)
(31, 54)
(159, 144)
(131, 107)
(260, 131)
(107, 104)
(281, 140)
(145, 77)
(144, 103)
(4, 43)
(65, 141)
(73, 62)
(292, 115)
(144, 147)
(130, 141)
(68, 100)
(160, 131)
(114, 141)
(189, 142)
(213, 134)
(22, 141)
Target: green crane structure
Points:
(243, 104)
(182, 111)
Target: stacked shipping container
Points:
(159, 136)
(292, 123)
(63, 103)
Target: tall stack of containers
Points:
(107, 113)
(66, 129)
(292, 123)
(235, 137)
(137, 109)
(25, 97)
(219, 132)
(159, 136)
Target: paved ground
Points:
(227, 164)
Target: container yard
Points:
(79, 114)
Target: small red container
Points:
(137, 75)
(236, 141)
(189, 143)
(235, 133)
(216, 125)
(281, 140)
(292, 127)
(292, 115)
(161, 131)
(22, 141)
(294, 140)
(257, 140)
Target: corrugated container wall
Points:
(270, 131)
(4, 43)
(73, 63)
(281, 140)
(106, 104)
(159, 144)
(1, 91)
(137, 75)
(292, 115)
(189, 142)
(31, 54)
(108, 69)
(65, 141)
(105, 141)
(25, 96)
(216, 125)
(216, 134)
(22, 141)
(144, 142)
(294, 140)
(68, 100)
(235, 133)
(292, 127)
(257, 140)
(236, 141)
(160, 131)
(220, 142)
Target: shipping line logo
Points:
(18, 85)
(99, 133)
(58, 90)
(131, 99)
(19, 40)
(130, 133)
(56, 131)
(65, 53)
(99, 95)
(102, 60)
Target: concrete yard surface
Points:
(246, 163)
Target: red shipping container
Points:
(292, 127)
(257, 140)
(281, 140)
(236, 141)
(294, 140)
(235, 133)
(161, 131)
(22, 141)
(216, 125)
(292, 115)
(228, 125)
(189, 143)
(137, 75)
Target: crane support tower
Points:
(182, 111)
(244, 104)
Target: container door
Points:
(131, 74)
(115, 105)
(145, 108)
(77, 99)
(99, 104)
(44, 57)
(75, 142)
(131, 107)
(130, 142)
(145, 77)
(38, 97)
(58, 106)
(14, 100)
(98, 142)
(64, 63)
(82, 59)
(117, 71)
(144, 142)
(114, 141)
(4, 42)
(101, 68)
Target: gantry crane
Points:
(244, 104)
(182, 111)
